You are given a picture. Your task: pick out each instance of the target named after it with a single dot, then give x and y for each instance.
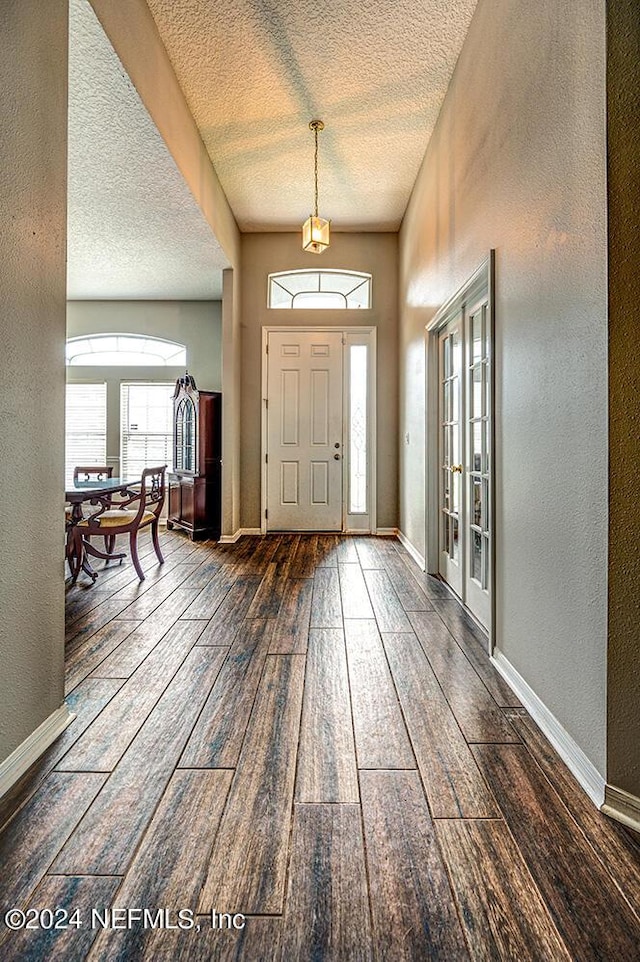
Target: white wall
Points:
(33, 108)
(516, 163)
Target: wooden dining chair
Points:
(138, 509)
(94, 472)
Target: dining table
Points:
(100, 494)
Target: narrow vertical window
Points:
(85, 426)
(146, 434)
(358, 429)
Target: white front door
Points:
(304, 430)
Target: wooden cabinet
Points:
(195, 484)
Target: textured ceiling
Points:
(134, 229)
(255, 72)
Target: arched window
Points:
(320, 290)
(124, 350)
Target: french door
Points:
(464, 455)
(450, 412)
(478, 420)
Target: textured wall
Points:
(33, 80)
(263, 254)
(517, 163)
(623, 108)
(134, 37)
(134, 227)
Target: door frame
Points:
(483, 278)
(345, 330)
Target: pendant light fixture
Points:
(315, 230)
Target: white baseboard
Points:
(570, 752)
(622, 806)
(232, 538)
(387, 532)
(14, 767)
(415, 554)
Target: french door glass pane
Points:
(487, 389)
(477, 501)
(455, 540)
(485, 561)
(446, 486)
(476, 403)
(455, 446)
(476, 345)
(486, 521)
(487, 453)
(455, 396)
(476, 556)
(456, 353)
(455, 505)
(477, 429)
(358, 429)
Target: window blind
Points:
(146, 436)
(85, 427)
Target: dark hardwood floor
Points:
(306, 730)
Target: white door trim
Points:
(371, 332)
(483, 277)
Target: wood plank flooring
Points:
(299, 743)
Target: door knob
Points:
(456, 469)
(336, 457)
(337, 444)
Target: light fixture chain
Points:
(316, 169)
(315, 230)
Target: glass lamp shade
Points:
(315, 234)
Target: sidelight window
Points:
(358, 428)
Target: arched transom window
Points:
(131, 350)
(320, 290)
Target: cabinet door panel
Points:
(174, 500)
(187, 507)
